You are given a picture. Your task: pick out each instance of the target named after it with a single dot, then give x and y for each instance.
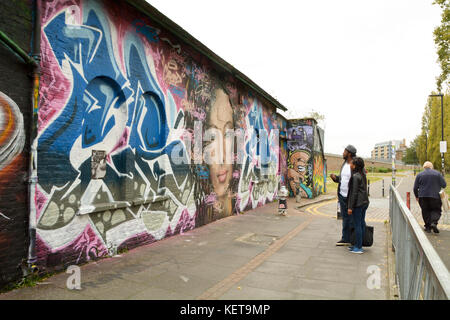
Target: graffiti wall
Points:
(306, 171)
(15, 104)
(129, 120)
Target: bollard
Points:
(408, 200)
(393, 177)
(382, 190)
(368, 187)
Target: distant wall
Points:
(334, 162)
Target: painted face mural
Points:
(305, 162)
(120, 98)
(220, 118)
(297, 172)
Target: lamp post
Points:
(442, 127)
(392, 151)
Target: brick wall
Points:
(15, 106)
(334, 163)
(120, 96)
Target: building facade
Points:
(394, 149)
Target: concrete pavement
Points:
(256, 255)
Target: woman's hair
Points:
(359, 167)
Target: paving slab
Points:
(250, 293)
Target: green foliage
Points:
(427, 143)
(435, 131)
(122, 250)
(378, 170)
(442, 41)
(316, 115)
(411, 154)
(29, 281)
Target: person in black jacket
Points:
(358, 202)
(427, 185)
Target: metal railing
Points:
(420, 272)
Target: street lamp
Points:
(442, 126)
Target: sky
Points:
(367, 66)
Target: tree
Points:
(434, 125)
(422, 142)
(297, 114)
(316, 115)
(442, 41)
(421, 148)
(411, 154)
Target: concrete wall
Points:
(15, 107)
(119, 97)
(334, 162)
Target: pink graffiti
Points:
(87, 245)
(51, 7)
(123, 141)
(200, 115)
(210, 198)
(40, 201)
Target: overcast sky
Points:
(368, 66)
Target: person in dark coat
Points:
(427, 185)
(358, 202)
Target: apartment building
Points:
(390, 149)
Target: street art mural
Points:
(300, 142)
(118, 99)
(318, 175)
(12, 141)
(15, 102)
(306, 174)
(13, 200)
(12, 134)
(299, 170)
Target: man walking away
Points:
(427, 185)
(343, 178)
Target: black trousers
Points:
(431, 210)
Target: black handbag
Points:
(368, 236)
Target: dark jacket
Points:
(428, 183)
(357, 191)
